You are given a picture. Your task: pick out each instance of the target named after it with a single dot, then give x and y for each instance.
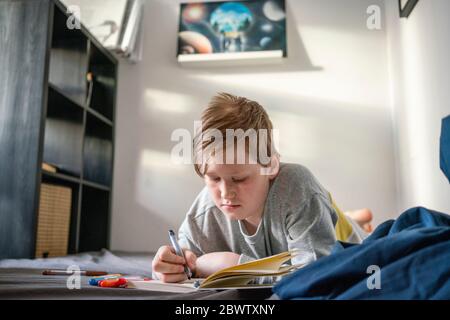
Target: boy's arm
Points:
(310, 229)
(206, 263)
(212, 262)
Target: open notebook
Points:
(241, 276)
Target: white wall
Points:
(419, 50)
(330, 100)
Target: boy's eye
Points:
(238, 180)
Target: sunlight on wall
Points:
(416, 130)
(156, 101)
(345, 78)
(298, 136)
(156, 172)
(346, 59)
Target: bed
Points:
(412, 254)
(23, 279)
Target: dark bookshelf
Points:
(60, 109)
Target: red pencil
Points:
(88, 273)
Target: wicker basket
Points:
(53, 221)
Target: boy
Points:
(250, 209)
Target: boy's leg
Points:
(363, 217)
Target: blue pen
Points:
(179, 252)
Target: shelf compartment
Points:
(57, 179)
(102, 94)
(63, 139)
(63, 95)
(98, 151)
(68, 59)
(94, 219)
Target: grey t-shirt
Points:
(298, 214)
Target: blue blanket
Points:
(445, 147)
(408, 258)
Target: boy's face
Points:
(238, 190)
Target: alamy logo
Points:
(236, 147)
(373, 21)
(374, 281)
(73, 21)
(74, 280)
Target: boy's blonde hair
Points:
(227, 111)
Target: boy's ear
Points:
(274, 167)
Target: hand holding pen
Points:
(172, 263)
(179, 252)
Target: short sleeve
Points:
(310, 229)
(186, 236)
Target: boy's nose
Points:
(227, 193)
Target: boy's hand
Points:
(169, 267)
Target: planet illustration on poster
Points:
(194, 42)
(273, 11)
(265, 42)
(267, 27)
(194, 12)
